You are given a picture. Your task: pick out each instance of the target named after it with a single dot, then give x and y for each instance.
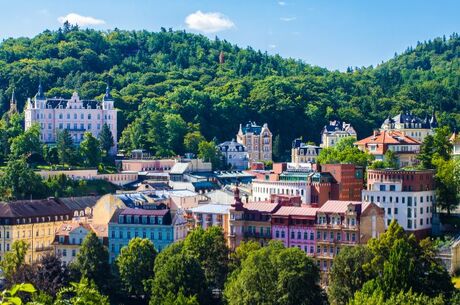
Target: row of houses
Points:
(61, 224)
(318, 231)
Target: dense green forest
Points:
(170, 84)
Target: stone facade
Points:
(76, 115)
(257, 140)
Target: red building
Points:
(349, 181)
(343, 182)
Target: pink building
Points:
(76, 115)
(146, 165)
(295, 227)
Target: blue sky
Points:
(332, 34)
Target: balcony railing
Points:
(257, 235)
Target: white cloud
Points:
(288, 19)
(73, 18)
(282, 3)
(272, 46)
(208, 22)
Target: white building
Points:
(303, 152)
(411, 125)
(408, 196)
(263, 189)
(235, 154)
(334, 132)
(76, 115)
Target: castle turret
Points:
(13, 104)
(433, 121)
(40, 95)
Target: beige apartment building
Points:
(257, 140)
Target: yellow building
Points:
(36, 222)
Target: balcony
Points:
(256, 235)
(43, 249)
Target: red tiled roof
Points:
(296, 211)
(261, 206)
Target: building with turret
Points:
(334, 132)
(455, 140)
(75, 115)
(257, 140)
(411, 125)
(304, 152)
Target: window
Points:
(312, 236)
(305, 235)
(292, 235)
(282, 234)
(396, 211)
(299, 235)
(74, 252)
(89, 116)
(64, 252)
(382, 188)
(277, 234)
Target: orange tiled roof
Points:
(388, 137)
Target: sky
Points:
(326, 33)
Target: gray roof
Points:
(79, 203)
(179, 168)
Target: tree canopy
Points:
(178, 73)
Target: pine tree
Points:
(65, 147)
(106, 139)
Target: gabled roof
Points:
(388, 137)
(79, 203)
(33, 208)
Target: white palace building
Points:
(76, 115)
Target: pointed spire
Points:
(13, 98)
(433, 121)
(13, 103)
(107, 96)
(40, 95)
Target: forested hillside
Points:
(170, 83)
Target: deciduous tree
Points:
(135, 264)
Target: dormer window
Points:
(120, 219)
